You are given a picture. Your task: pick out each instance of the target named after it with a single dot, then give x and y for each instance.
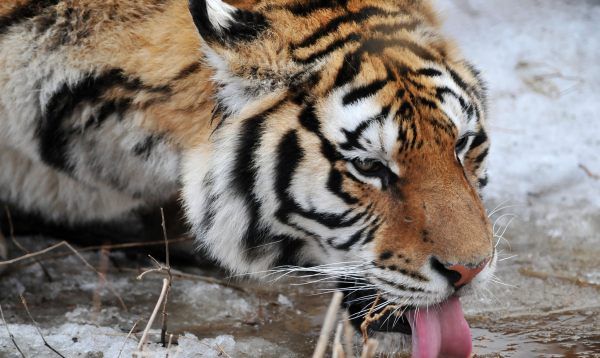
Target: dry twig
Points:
(589, 172)
(163, 292)
(163, 330)
(76, 253)
(12, 338)
(338, 349)
(127, 337)
(370, 318)
(330, 319)
(369, 349)
(11, 231)
(37, 327)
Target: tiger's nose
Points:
(458, 274)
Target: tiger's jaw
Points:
(429, 325)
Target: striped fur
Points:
(262, 124)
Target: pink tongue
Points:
(440, 331)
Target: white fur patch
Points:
(220, 14)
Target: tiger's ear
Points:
(223, 24)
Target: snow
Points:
(540, 59)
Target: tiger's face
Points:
(349, 135)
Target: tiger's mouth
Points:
(439, 330)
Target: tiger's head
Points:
(348, 133)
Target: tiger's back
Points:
(98, 98)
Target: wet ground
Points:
(540, 60)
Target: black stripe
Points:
(352, 137)
(480, 138)
(394, 28)
(188, 71)
(371, 234)
(307, 8)
(244, 181)
(483, 181)
(145, 147)
(481, 157)
(289, 156)
(441, 91)
(24, 12)
(349, 70)
(363, 92)
(334, 46)
(54, 130)
(351, 241)
(333, 25)
(309, 121)
(245, 26)
(429, 72)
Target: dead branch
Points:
(37, 327)
(330, 319)
(127, 337)
(370, 318)
(544, 276)
(338, 349)
(589, 172)
(369, 349)
(161, 297)
(11, 231)
(76, 253)
(348, 335)
(12, 338)
(163, 330)
(129, 245)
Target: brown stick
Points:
(127, 337)
(161, 297)
(129, 245)
(11, 231)
(37, 327)
(328, 324)
(369, 349)
(163, 330)
(12, 338)
(589, 172)
(76, 253)
(338, 349)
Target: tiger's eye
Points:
(367, 166)
(462, 142)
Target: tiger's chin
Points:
(424, 332)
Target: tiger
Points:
(340, 135)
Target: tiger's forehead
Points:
(380, 113)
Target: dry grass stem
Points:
(163, 330)
(348, 336)
(127, 338)
(12, 338)
(370, 318)
(169, 345)
(369, 349)
(338, 349)
(76, 253)
(163, 292)
(11, 231)
(130, 245)
(330, 319)
(37, 327)
(544, 276)
(589, 173)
